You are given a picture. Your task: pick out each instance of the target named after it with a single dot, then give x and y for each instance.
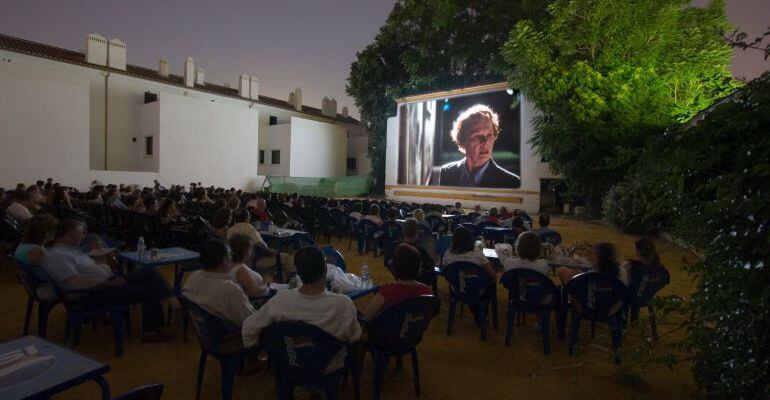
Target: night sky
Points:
(285, 43)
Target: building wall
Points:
(43, 125)
(275, 137)
(213, 143)
(317, 149)
(149, 125)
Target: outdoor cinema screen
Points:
(469, 140)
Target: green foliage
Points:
(607, 75)
(426, 46)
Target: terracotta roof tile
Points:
(73, 57)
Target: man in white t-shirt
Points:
(311, 304)
(18, 208)
(214, 289)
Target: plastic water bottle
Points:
(365, 279)
(141, 249)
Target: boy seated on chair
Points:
(311, 304)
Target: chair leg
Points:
(185, 326)
(380, 365)
(481, 312)
(28, 316)
(545, 327)
(574, 332)
(616, 329)
(416, 372)
(593, 329)
(228, 367)
(201, 369)
(494, 309)
(43, 309)
(510, 321)
(117, 318)
(451, 318)
(653, 322)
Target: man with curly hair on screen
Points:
(474, 132)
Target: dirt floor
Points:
(452, 367)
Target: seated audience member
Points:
(544, 220)
(504, 214)
(357, 208)
(463, 249)
(267, 258)
(258, 209)
(392, 214)
(604, 259)
(435, 212)
(71, 269)
(419, 215)
(114, 200)
(312, 304)
(221, 221)
(36, 199)
(517, 226)
(242, 249)
(5, 200)
(214, 288)
(458, 208)
(39, 232)
(19, 207)
(233, 202)
(406, 268)
(491, 217)
(136, 204)
(646, 255)
(150, 205)
(374, 215)
(410, 234)
(528, 248)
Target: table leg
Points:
(105, 387)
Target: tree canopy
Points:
(607, 75)
(426, 46)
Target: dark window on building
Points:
(275, 157)
(148, 145)
(261, 156)
(351, 163)
(150, 97)
(273, 120)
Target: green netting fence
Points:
(357, 185)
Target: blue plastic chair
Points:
(368, 237)
(212, 332)
(396, 332)
(353, 230)
(476, 230)
(644, 284)
(391, 231)
(35, 283)
(530, 292)
(553, 238)
(299, 353)
(85, 304)
(334, 257)
(437, 224)
(300, 240)
(597, 297)
(470, 284)
(442, 245)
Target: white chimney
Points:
(189, 72)
(345, 112)
(325, 106)
(199, 77)
(333, 107)
(243, 86)
(96, 49)
(298, 99)
(117, 54)
(163, 68)
(254, 88)
(291, 98)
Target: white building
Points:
(77, 116)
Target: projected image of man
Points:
(474, 132)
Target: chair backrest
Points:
(153, 391)
(301, 240)
(391, 230)
(299, 352)
(368, 228)
(645, 283)
(32, 276)
(599, 295)
(353, 226)
(400, 328)
(528, 289)
(553, 238)
(209, 329)
(437, 224)
(443, 244)
(471, 226)
(467, 281)
(334, 257)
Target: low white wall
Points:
(43, 126)
(318, 149)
